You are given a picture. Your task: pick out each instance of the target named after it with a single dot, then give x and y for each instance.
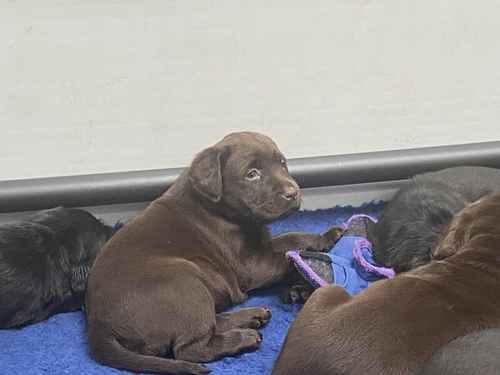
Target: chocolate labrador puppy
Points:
(411, 223)
(157, 292)
(44, 263)
(395, 325)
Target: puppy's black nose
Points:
(290, 193)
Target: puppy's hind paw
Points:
(197, 369)
(296, 294)
(251, 339)
(261, 317)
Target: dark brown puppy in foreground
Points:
(156, 293)
(395, 326)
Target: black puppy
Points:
(411, 223)
(474, 354)
(44, 264)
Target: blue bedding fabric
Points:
(59, 345)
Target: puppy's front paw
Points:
(332, 235)
(324, 242)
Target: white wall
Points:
(111, 85)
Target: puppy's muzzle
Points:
(291, 192)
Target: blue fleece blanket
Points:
(59, 345)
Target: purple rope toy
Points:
(311, 275)
(362, 248)
(364, 244)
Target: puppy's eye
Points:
(253, 174)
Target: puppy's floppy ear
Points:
(205, 172)
(451, 243)
(443, 252)
(447, 246)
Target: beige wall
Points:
(112, 85)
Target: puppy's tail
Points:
(110, 352)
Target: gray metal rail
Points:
(141, 186)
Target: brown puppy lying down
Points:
(395, 326)
(157, 291)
